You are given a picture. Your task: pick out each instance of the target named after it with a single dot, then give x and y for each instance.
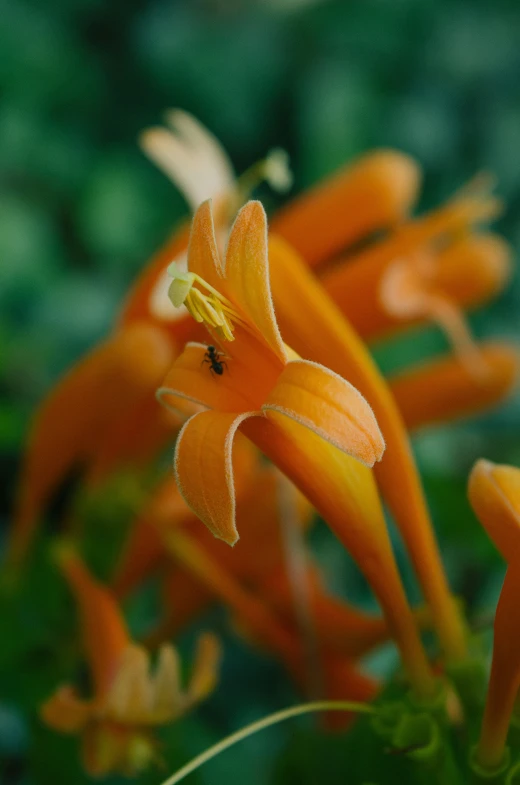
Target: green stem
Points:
(265, 722)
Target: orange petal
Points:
(72, 420)
(313, 325)
(103, 629)
(321, 400)
(343, 492)
(473, 269)
(494, 493)
(375, 192)
(444, 389)
(241, 387)
(247, 273)
(204, 470)
(132, 441)
(203, 255)
(65, 712)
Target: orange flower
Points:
(494, 492)
(403, 278)
(312, 423)
(115, 724)
(312, 324)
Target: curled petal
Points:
(494, 493)
(327, 404)
(204, 469)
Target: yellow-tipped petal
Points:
(375, 192)
(444, 389)
(330, 406)
(494, 493)
(204, 470)
(247, 273)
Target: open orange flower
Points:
(312, 423)
(128, 702)
(494, 493)
(387, 286)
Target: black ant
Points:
(212, 357)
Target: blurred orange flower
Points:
(128, 702)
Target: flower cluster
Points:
(242, 341)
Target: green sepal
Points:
(491, 776)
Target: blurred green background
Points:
(81, 210)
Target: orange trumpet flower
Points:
(128, 702)
(311, 423)
(494, 493)
(311, 322)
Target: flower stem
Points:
(265, 722)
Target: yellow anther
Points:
(209, 307)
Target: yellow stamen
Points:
(209, 307)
